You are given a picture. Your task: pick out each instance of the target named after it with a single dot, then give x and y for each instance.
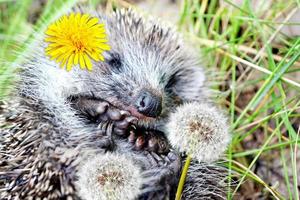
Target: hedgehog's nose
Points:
(148, 104)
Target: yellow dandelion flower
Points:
(76, 39)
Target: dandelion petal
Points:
(76, 39)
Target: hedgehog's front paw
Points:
(103, 113)
(162, 174)
(112, 120)
(153, 141)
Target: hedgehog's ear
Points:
(188, 84)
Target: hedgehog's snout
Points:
(148, 103)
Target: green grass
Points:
(259, 80)
(240, 42)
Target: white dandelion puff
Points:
(200, 130)
(109, 177)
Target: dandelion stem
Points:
(182, 177)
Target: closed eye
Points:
(115, 62)
(172, 81)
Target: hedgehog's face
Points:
(127, 83)
(147, 72)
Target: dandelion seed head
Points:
(109, 177)
(200, 130)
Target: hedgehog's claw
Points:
(107, 129)
(103, 126)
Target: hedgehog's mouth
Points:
(125, 123)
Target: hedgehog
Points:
(56, 120)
